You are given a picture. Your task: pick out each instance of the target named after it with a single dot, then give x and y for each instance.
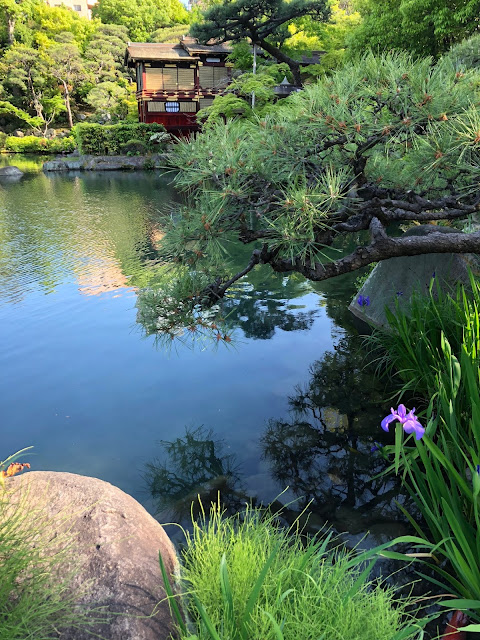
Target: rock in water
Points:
(116, 545)
(395, 279)
(10, 172)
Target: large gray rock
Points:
(396, 279)
(10, 172)
(116, 545)
(105, 163)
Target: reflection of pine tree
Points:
(323, 451)
(195, 466)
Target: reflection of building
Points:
(100, 276)
(174, 81)
(82, 7)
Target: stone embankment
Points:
(106, 163)
(113, 560)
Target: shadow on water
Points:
(322, 452)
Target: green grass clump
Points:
(247, 578)
(36, 599)
(412, 345)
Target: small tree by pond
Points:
(383, 142)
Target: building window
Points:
(172, 107)
(77, 7)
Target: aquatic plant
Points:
(435, 350)
(409, 421)
(245, 578)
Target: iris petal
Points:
(387, 420)
(402, 412)
(414, 426)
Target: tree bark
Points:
(67, 104)
(10, 30)
(382, 247)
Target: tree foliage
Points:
(385, 140)
(264, 22)
(424, 27)
(141, 17)
(331, 36)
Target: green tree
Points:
(11, 13)
(332, 37)
(25, 80)
(264, 22)
(141, 17)
(424, 27)
(48, 23)
(105, 52)
(382, 141)
(108, 98)
(68, 68)
(169, 34)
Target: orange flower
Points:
(14, 468)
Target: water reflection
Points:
(321, 452)
(194, 468)
(259, 306)
(104, 243)
(259, 311)
(76, 250)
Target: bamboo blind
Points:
(206, 77)
(205, 102)
(188, 107)
(154, 79)
(169, 79)
(156, 107)
(186, 79)
(213, 77)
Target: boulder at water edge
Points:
(10, 172)
(395, 279)
(116, 545)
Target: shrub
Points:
(3, 138)
(33, 144)
(246, 578)
(98, 139)
(133, 147)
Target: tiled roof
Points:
(193, 47)
(156, 51)
(186, 49)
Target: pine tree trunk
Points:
(275, 52)
(10, 30)
(67, 104)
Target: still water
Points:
(288, 403)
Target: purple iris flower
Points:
(376, 447)
(363, 301)
(409, 421)
(478, 469)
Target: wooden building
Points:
(174, 81)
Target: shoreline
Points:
(106, 163)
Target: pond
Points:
(288, 404)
